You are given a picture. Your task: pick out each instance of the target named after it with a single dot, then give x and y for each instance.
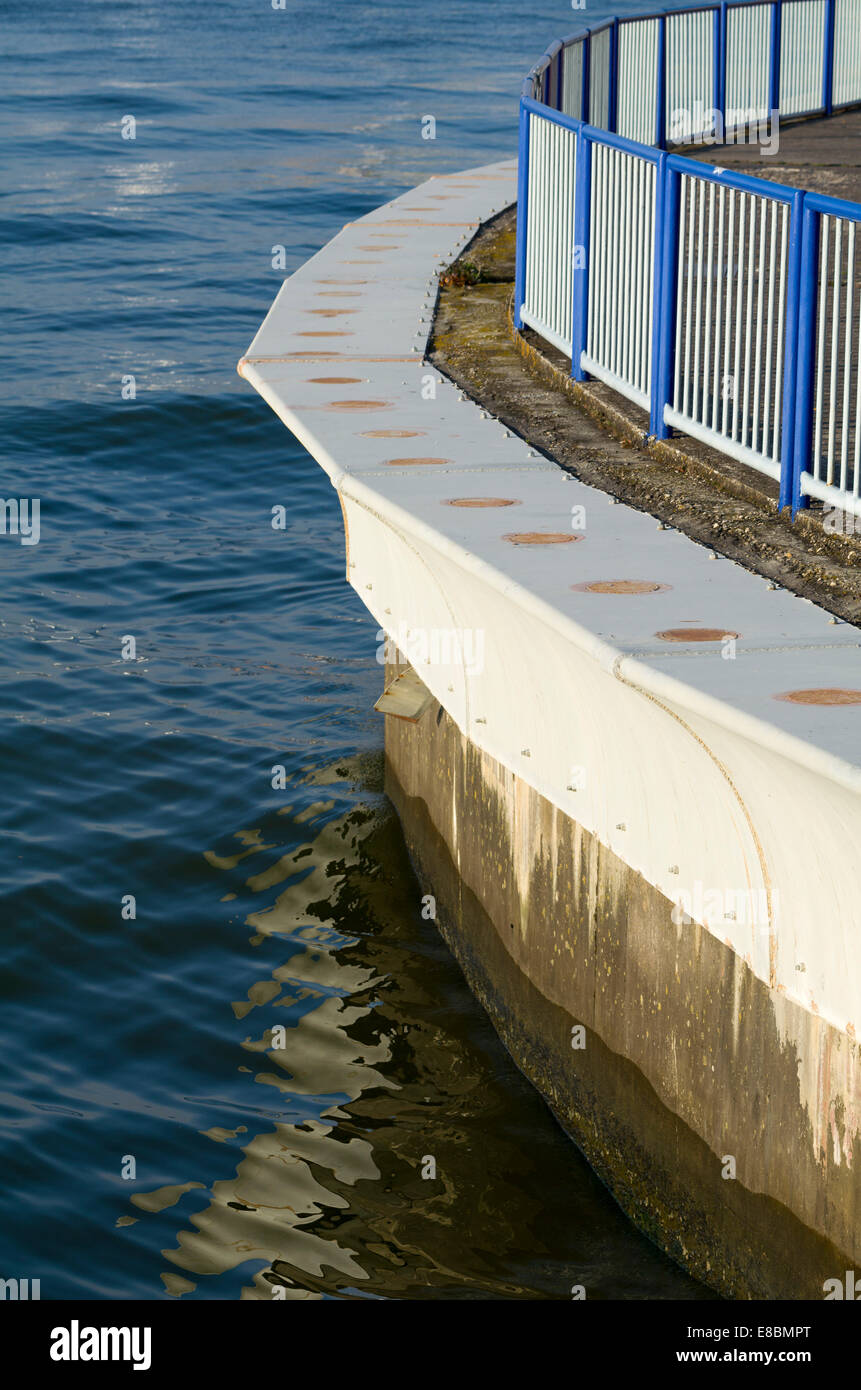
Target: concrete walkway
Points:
(820, 155)
(718, 717)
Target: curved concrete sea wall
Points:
(635, 794)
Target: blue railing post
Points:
(828, 62)
(774, 64)
(560, 68)
(522, 214)
(580, 275)
(661, 85)
(790, 356)
(664, 315)
(613, 77)
(805, 353)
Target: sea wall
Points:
(636, 793)
(687, 1060)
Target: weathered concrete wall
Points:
(552, 929)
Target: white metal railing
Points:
(621, 271)
(847, 52)
(802, 55)
(837, 393)
(748, 51)
(599, 78)
(638, 77)
(730, 320)
(725, 306)
(690, 73)
(572, 79)
(550, 231)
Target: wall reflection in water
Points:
(375, 1059)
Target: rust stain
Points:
(321, 356)
(481, 502)
(405, 462)
(540, 538)
(358, 405)
(423, 222)
(301, 356)
(695, 634)
(331, 313)
(335, 333)
(824, 696)
(621, 586)
(335, 380)
(392, 434)
(341, 282)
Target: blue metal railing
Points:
(726, 306)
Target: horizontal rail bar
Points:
(717, 441)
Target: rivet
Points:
(525, 753)
(620, 825)
(674, 868)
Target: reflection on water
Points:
(374, 1060)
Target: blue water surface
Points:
(153, 1144)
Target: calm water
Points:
(149, 776)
